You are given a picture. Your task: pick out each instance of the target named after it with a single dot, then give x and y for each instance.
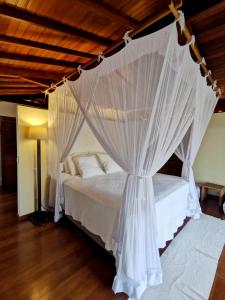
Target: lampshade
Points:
(37, 133)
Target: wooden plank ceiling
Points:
(41, 41)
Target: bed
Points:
(94, 203)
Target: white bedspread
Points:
(95, 203)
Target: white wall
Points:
(210, 162)
(86, 141)
(7, 109)
(26, 151)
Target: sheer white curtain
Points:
(140, 105)
(188, 149)
(65, 121)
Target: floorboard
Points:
(59, 262)
(218, 288)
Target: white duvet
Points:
(95, 202)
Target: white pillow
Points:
(88, 166)
(74, 157)
(108, 164)
(69, 166)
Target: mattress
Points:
(95, 203)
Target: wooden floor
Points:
(58, 262)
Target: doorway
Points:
(8, 154)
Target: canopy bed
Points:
(95, 203)
(144, 103)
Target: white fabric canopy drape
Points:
(205, 103)
(140, 105)
(65, 122)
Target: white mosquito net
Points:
(139, 103)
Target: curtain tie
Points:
(202, 61)
(126, 37)
(46, 93)
(52, 87)
(100, 56)
(139, 176)
(209, 73)
(181, 20)
(187, 163)
(192, 40)
(214, 84)
(79, 69)
(219, 93)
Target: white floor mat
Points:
(189, 263)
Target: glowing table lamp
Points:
(38, 134)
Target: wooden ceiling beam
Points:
(43, 46)
(36, 82)
(212, 34)
(109, 12)
(20, 88)
(17, 84)
(39, 60)
(21, 80)
(35, 100)
(5, 91)
(213, 50)
(207, 13)
(223, 82)
(11, 80)
(24, 15)
(220, 74)
(34, 79)
(39, 96)
(7, 70)
(217, 63)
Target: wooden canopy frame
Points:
(193, 46)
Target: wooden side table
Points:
(205, 186)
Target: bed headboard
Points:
(172, 167)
